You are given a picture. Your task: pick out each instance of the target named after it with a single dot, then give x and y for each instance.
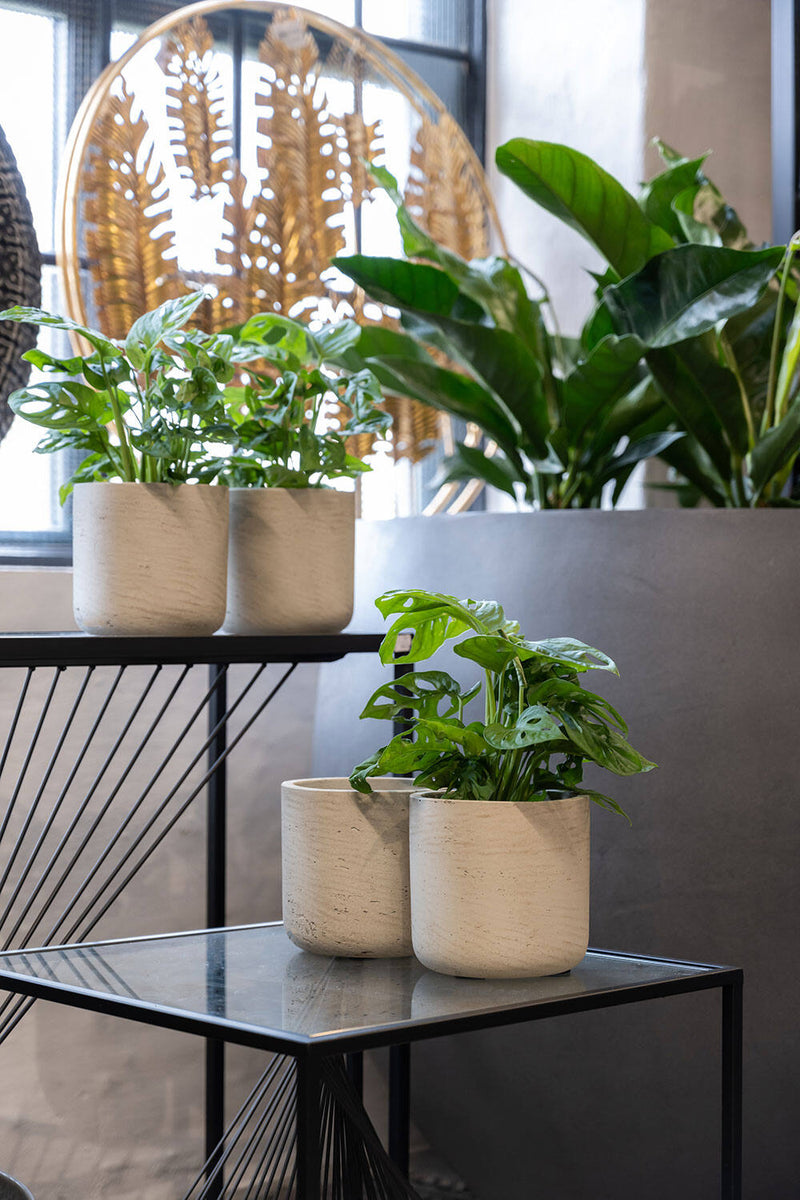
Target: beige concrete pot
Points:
(345, 867)
(149, 558)
(499, 891)
(290, 560)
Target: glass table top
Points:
(252, 985)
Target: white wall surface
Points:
(569, 72)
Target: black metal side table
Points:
(92, 784)
(302, 1132)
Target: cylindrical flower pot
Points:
(499, 890)
(290, 560)
(345, 867)
(12, 1189)
(149, 558)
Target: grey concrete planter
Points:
(700, 611)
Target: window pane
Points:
(27, 104)
(447, 77)
(29, 482)
(337, 10)
(437, 22)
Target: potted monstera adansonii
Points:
(149, 533)
(499, 825)
(292, 531)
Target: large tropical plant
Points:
(562, 417)
(540, 725)
(685, 295)
(716, 318)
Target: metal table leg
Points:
(732, 1090)
(215, 907)
(399, 1105)
(309, 1093)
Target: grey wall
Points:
(698, 610)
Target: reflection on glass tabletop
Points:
(252, 980)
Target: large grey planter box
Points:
(700, 611)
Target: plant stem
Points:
(122, 433)
(490, 710)
(730, 359)
(769, 407)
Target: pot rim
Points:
(420, 796)
(149, 484)
(341, 783)
(263, 489)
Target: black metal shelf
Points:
(83, 650)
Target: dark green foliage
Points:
(154, 407)
(540, 724)
(558, 417)
(708, 309)
(142, 409)
(281, 426)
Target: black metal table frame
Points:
(310, 1054)
(63, 650)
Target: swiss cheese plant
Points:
(540, 724)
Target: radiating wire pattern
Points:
(257, 1157)
(98, 766)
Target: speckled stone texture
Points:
(345, 867)
(290, 560)
(149, 559)
(499, 891)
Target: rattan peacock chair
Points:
(182, 170)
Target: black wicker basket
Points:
(20, 278)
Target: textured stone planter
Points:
(290, 560)
(149, 558)
(345, 867)
(499, 891)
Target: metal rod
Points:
(399, 1105)
(15, 721)
(308, 1129)
(246, 1110)
(45, 874)
(246, 1146)
(354, 1066)
(48, 824)
(732, 1090)
(176, 817)
(87, 836)
(216, 851)
(31, 747)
